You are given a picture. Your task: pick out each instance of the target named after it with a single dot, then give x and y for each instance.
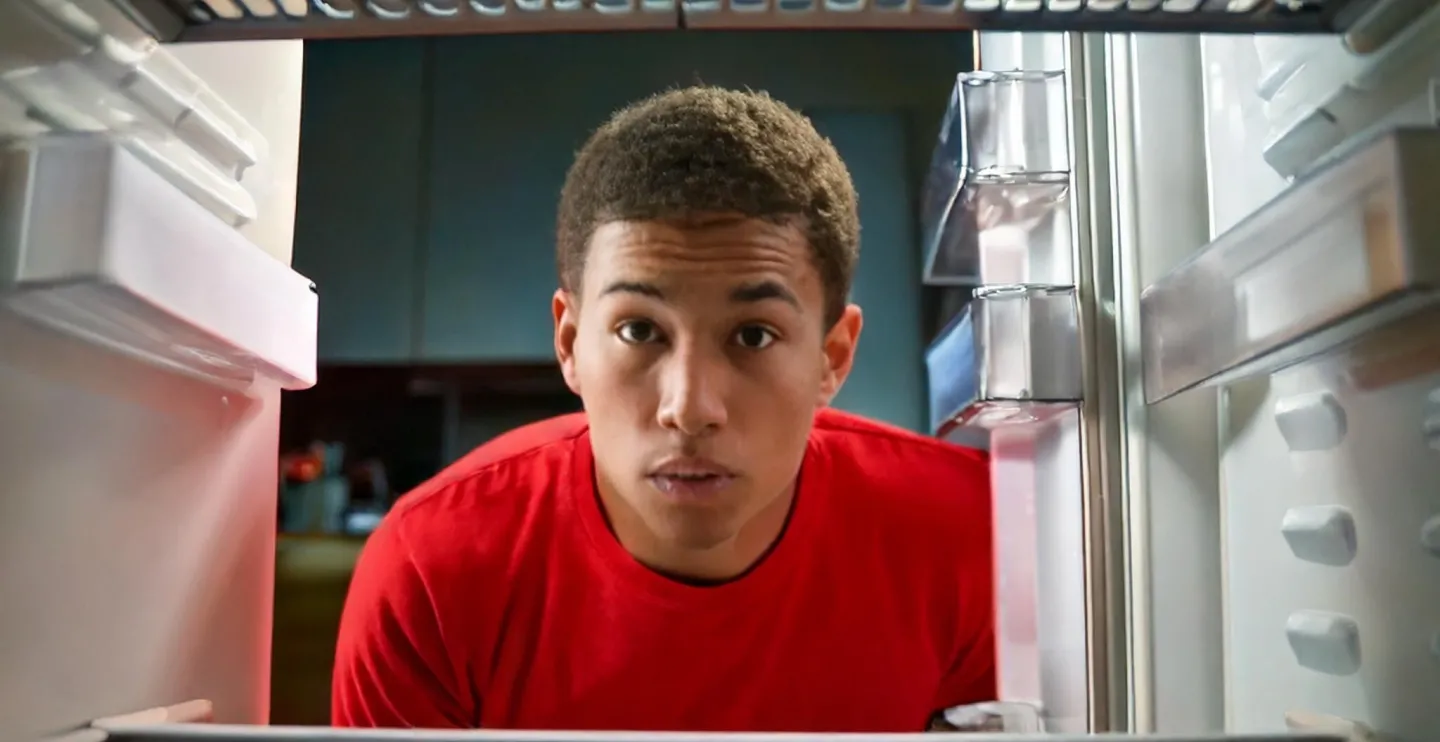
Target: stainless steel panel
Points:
(1352, 248)
(1112, 682)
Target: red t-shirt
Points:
(496, 596)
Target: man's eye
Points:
(638, 332)
(754, 337)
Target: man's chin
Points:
(694, 532)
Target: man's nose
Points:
(692, 399)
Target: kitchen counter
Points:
(312, 574)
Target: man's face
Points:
(701, 354)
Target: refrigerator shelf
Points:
(995, 207)
(1011, 357)
(1348, 250)
(226, 733)
(97, 245)
(255, 19)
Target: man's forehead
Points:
(746, 259)
(668, 289)
(703, 229)
(749, 247)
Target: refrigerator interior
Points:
(1344, 446)
(1273, 536)
(137, 526)
(1224, 622)
(168, 482)
(1006, 374)
(137, 533)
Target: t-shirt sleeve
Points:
(971, 678)
(392, 665)
(971, 675)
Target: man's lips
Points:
(693, 467)
(691, 477)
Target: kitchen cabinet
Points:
(505, 128)
(494, 180)
(431, 169)
(882, 385)
(312, 576)
(359, 195)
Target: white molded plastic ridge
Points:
(81, 71)
(1320, 94)
(96, 244)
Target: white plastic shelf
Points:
(96, 244)
(1346, 251)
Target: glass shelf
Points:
(1348, 250)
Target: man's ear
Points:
(839, 349)
(566, 309)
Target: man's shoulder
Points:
(880, 447)
(501, 463)
(896, 470)
(923, 505)
(519, 448)
(484, 498)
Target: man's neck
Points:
(722, 562)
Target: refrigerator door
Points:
(1012, 367)
(1320, 368)
(1125, 491)
(137, 526)
(1258, 547)
(1328, 464)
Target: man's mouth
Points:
(691, 477)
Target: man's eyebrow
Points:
(746, 294)
(764, 291)
(634, 287)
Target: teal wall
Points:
(430, 170)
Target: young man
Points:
(707, 547)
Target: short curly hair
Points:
(704, 150)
